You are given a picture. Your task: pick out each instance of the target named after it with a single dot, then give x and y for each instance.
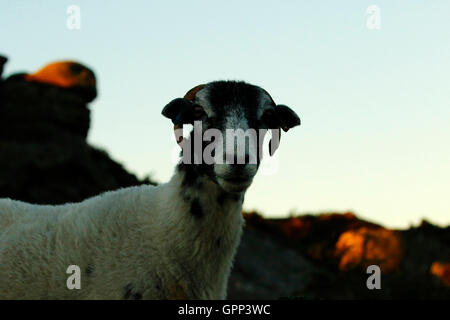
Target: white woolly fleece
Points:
(138, 242)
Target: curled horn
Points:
(190, 95)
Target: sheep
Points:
(176, 240)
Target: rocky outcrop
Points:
(70, 75)
(326, 256)
(2, 63)
(40, 112)
(266, 269)
(364, 247)
(44, 122)
(442, 271)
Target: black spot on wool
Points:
(196, 209)
(190, 176)
(237, 197)
(137, 296)
(127, 290)
(130, 295)
(221, 198)
(89, 270)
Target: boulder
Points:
(441, 270)
(2, 63)
(44, 122)
(370, 246)
(70, 75)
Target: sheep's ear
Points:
(274, 141)
(286, 119)
(180, 111)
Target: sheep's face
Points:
(230, 120)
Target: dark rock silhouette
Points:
(301, 258)
(2, 63)
(43, 128)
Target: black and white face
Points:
(232, 118)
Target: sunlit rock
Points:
(442, 271)
(44, 123)
(367, 246)
(67, 74)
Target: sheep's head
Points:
(230, 120)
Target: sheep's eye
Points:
(198, 112)
(269, 119)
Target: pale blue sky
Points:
(374, 104)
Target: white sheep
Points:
(173, 241)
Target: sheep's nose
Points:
(238, 168)
(241, 160)
(240, 164)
